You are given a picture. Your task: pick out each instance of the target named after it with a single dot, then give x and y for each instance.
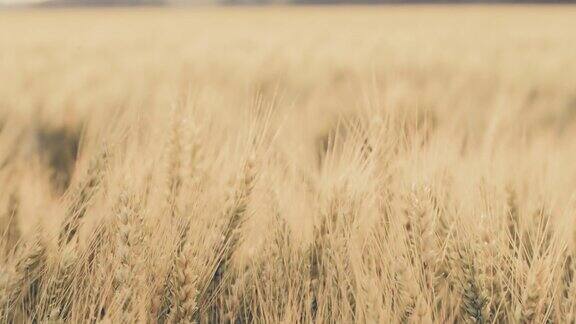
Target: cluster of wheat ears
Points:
(271, 172)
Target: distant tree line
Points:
(302, 2)
(102, 3)
(423, 1)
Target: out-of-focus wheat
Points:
(288, 165)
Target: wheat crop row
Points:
(288, 165)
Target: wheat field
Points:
(288, 165)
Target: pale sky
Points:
(7, 2)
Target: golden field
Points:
(361, 164)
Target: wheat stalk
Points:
(234, 216)
(82, 197)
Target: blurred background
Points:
(59, 3)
